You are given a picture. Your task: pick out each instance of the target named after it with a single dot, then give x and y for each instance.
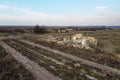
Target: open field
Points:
(59, 65)
(106, 53)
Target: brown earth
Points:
(10, 69)
(96, 56)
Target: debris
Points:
(80, 41)
(77, 65)
(52, 67)
(69, 67)
(91, 77)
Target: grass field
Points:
(106, 53)
(108, 40)
(10, 69)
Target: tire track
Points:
(38, 72)
(103, 68)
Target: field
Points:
(106, 53)
(10, 69)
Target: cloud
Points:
(2, 7)
(27, 16)
(17, 10)
(101, 8)
(60, 20)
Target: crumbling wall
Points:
(80, 41)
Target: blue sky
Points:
(59, 12)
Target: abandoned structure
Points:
(78, 40)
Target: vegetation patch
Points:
(10, 69)
(69, 70)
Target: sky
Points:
(60, 12)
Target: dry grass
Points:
(108, 40)
(10, 69)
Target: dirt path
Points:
(103, 68)
(38, 72)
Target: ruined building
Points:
(78, 40)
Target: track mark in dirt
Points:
(103, 68)
(38, 72)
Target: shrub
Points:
(40, 29)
